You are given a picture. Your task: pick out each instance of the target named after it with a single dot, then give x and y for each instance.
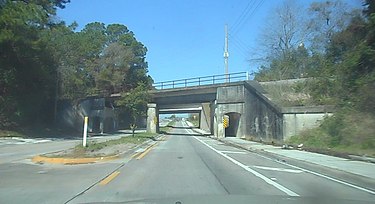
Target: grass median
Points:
(106, 148)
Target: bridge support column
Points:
(219, 113)
(205, 117)
(152, 118)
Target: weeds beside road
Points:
(345, 133)
(106, 148)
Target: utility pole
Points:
(226, 53)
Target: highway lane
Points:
(181, 167)
(186, 166)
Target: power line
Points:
(243, 14)
(240, 47)
(239, 42)
(245, 19)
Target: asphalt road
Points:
(184, 168)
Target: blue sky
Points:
(185, 38)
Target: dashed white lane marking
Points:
(255, 173)
(278, 169)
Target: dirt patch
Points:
(103, 149)
(80, 152)
(116, 149)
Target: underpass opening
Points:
(179, 120)
(178, 123)
(109, 125)
(234, 121)
(96, 124)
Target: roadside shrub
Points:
(332, 126)
(315, 138)
(359, 130)
(346, 131)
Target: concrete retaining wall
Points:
(260, 118)
(264, 121)
(101, 118)
(297, 119)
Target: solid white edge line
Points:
(257, 174)
(321, 175)
(307, 171)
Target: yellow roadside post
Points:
(86, 121)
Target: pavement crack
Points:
(209, 168)
(95, 183)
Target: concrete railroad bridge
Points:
(251, 114)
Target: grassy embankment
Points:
(347, 132)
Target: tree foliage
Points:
(294, 44)
(349, 75)
(43, 60)
(340, 61)
(27, 69)
(338, 52)
(135, 102)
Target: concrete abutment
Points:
(251, 114)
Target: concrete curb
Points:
(351, 157)
(201, 132)
(362, 158)
(62, 160)
(240, 146)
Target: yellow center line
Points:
(109, 178)
(136, 154)
(146, 152)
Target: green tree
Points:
(348, 75)
(27, 69)
(135, 102)
(348, 79)
(43, 60)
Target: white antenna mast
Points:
(226, 53)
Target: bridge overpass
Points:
(251, 114)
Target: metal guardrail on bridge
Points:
(199, 81)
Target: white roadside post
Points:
(85, 131)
